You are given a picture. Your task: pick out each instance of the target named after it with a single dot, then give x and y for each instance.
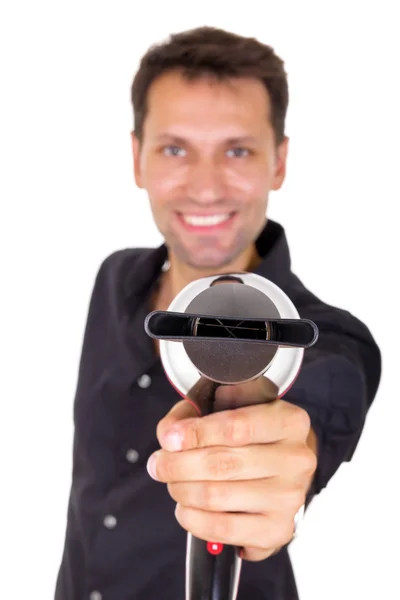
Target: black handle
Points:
(212, 568)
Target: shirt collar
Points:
(273, 249)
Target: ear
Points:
(136, 160)
(280, 163)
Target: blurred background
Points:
(68, 199)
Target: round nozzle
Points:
(237, 305)
(231, 328)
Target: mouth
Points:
(204, 223)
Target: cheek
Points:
(252, 180)
(162, 182)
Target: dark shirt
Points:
(122, 539)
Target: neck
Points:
(179, 274)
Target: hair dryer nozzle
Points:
(175, 326)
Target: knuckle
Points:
(306, 459)
(238, 428)
(300, 459)
(310, 461)
(287, 531)
(193, 431)
(222, 464)
(282, 531)
(213, 496)
(267, 532)
(224, 528)
(160, 429)
(294, 498)
(173, 490)
(166, 467)
(301, 421)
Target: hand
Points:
(238, 476)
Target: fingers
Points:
(257, 554)
(228, 464)
(256, 531)
(257, 496)
(256, 424)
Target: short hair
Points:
(213, 51)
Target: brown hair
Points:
(212, 51)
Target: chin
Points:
(205, 260)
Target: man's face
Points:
(208, 161)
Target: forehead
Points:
(231, 107)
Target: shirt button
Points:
(110, 521)
(95, 595)
(144, 381)
(132, 455)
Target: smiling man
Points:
(209, 145)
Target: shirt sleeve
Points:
(337, 384)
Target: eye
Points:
(173, 151)
(238, 152)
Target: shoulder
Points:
(121, 259)
(119, 274)
(121, 266)
(346, 347)
(326, 315)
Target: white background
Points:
(68, 199)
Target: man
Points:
(209, 145)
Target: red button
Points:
(214, 547)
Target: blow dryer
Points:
(220, 330)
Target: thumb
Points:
(181, 410)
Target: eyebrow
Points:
(231, 140)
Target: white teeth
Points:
(205, 221)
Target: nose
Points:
(205, 181)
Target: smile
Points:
(206, 220)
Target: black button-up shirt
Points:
(122, 539)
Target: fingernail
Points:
(151, 467)
(173, 441)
